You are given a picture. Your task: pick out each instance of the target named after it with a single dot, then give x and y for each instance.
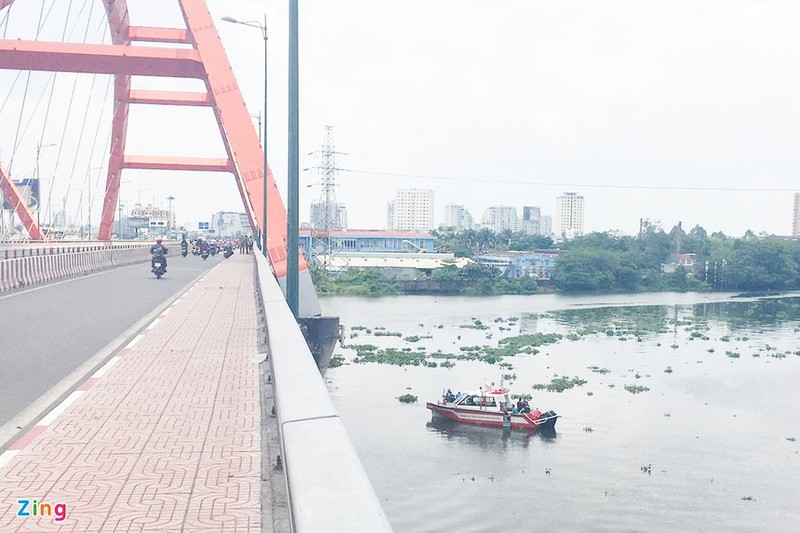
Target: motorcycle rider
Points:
(158, 250)
(203, 246)
(184, 243)
(227, 249)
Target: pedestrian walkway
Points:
(165, 437)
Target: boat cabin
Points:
(491, 399)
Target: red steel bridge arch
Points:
(205, 60)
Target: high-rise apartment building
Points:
(796, 218)
(500, 217)
(338, 216)
(457, 218)
(569, 215)
(411, 210)
(546, 225)
(531, 220)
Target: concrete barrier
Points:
(328, 489)
(22, 269)
(7, 279)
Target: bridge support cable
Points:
(10, 191)
(99, 168)
(48, 212)
(79, 208)
(205, 60)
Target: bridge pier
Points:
(321, 334)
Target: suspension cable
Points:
(17, 138)
(77, 20)
(66, 122)
(47, 115)
(10, 91)
(6, 20)
(83, 122)
(91, 153)
(47, 16)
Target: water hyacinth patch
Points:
(560, 384)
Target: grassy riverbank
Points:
(476, 281)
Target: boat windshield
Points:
(478, 400)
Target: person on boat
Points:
(458, 395)
(526, 408)
(449, 397)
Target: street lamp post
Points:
(169, 220)
(293, 204)
(119, 231)
(39, 147)
(263, 28)
(139, 203)
(89, 196)
(258, 118)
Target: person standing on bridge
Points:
(158, 250)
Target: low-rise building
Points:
(687, 261)
(158, 220)
(229, 224)
(367, 241)
(537, 264)
(395, 266)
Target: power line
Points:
(571, 184)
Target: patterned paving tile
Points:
(165, 439)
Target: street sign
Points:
(202, 225)
(29, 190)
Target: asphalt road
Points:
(48, 332)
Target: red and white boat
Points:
(491, 407)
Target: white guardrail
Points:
(328, 489)
(30, 265)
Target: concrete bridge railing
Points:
(25, 267)
(328, 489)
(14, 249)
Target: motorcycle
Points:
(158, 266)
(184, 250)
(204, 254)
(228, 251)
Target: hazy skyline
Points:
(678, 111)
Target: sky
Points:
(671, 111)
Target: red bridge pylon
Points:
(205, 60)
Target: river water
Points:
(712, 445)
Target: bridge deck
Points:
(165, 437)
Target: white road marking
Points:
(133, 343)
(106, 367)
(6, 456)
(60, 408)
